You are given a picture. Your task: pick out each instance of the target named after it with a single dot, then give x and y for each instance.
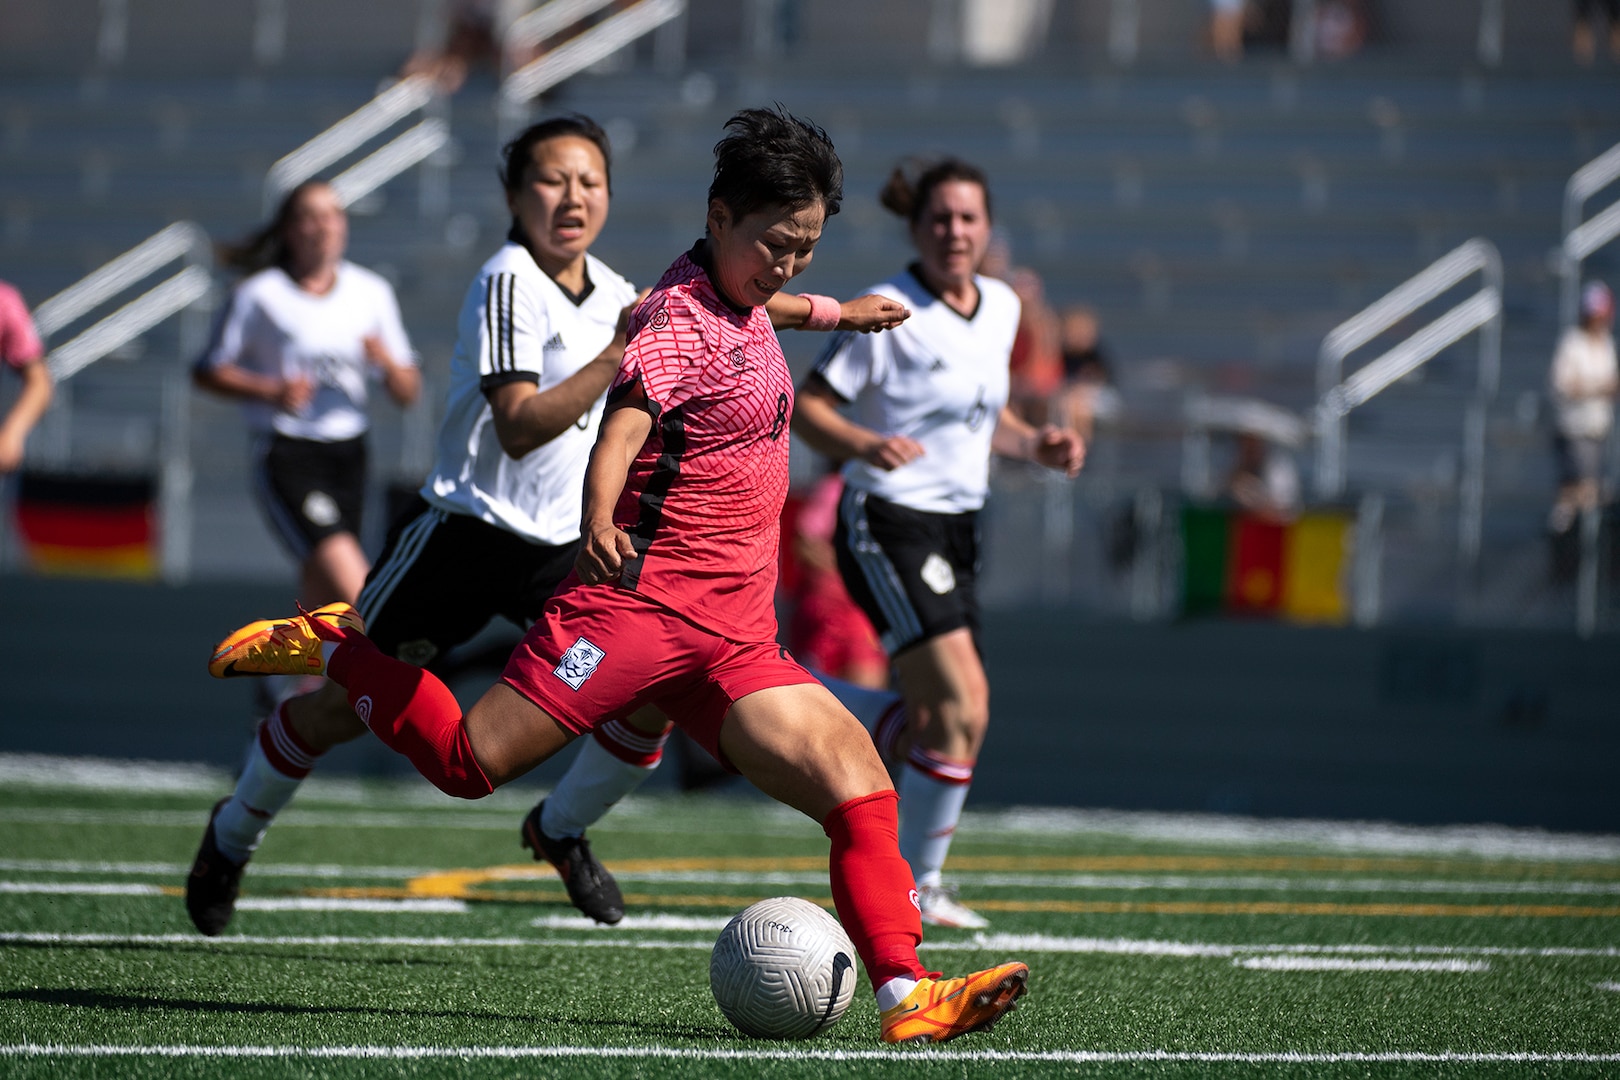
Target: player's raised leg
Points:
(798, 745)
(280, 756)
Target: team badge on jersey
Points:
(578, 662)
(937, 574)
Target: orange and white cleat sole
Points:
(939, 1010)
(285, 646)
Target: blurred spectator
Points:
(471, 38)
(1226, 23)
(1036, 364)
(1584, 380)
(1341, 27)
(21, 350)
(1583, 39)
(828, 632)
(1087, 390)
(1264, 480)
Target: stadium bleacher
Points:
(1220, 219)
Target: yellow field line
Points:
(1071, 907)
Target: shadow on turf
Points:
(97, 999)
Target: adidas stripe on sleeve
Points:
(512, 336)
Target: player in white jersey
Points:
(927, 407)
(298, 343)
(539, 338)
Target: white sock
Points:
(595, 780)
(930, 807)
(894, 992)
(262, 791)
(868, 705)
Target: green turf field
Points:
(388, 931)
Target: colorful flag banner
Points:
(88, 525)
(1238, 563)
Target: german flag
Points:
(1240, 564)
(88, 525)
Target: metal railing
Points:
(183, 240)
(1582, 238)
(1481, 311)
(579, 52)
(189, 294)
(419, 144)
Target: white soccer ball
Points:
(783, 969)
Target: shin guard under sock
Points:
(413, 713)
(872, 887)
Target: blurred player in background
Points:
(929, 407)
(496, 525)
(672, 602)
(22, 352)
(828, 632)
(1584, 382)
(302, 336)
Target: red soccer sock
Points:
(872, 887)
(413, 713)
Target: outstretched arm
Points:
(865, 314)
(605, 548)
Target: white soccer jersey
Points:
(518, 324)
(273, 327)
(940, 378)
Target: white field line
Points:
(654, 921)
(1098, 882)
(1608, 986)
(1165, 882)
(78, 888)
(674, 815)
(1024, 943)
(157, 869)
(919, 1056)
(1341, 963)
(424, 906)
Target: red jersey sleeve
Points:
(667, 350)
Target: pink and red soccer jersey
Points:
(19, 341)
(691, 624)
(703, 499)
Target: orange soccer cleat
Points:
(285, 646)
(939, 1010)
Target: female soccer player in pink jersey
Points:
(671, 602)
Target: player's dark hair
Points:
(907, 196)
(266, 246)
(769, 157)
(515, 155)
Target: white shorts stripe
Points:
(904, 624)
(387, 575)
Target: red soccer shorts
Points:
(599, 652)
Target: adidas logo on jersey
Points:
(937, 365)
(555, 342)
